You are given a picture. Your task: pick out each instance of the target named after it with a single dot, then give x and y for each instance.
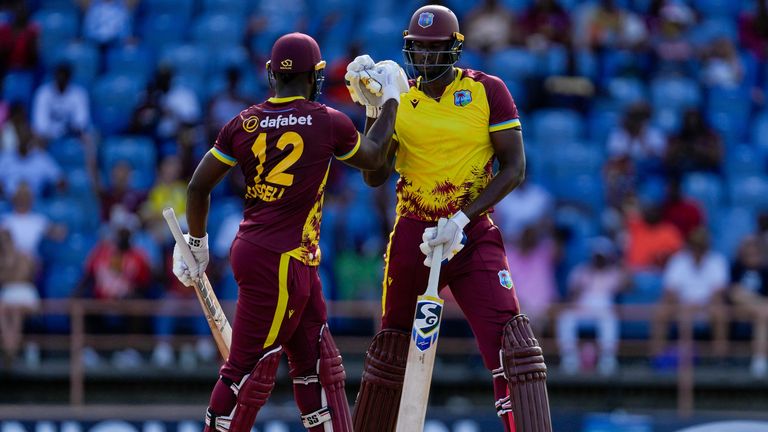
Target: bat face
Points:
(426, 325)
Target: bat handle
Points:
(437, 259)
(178, 236)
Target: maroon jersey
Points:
(284, 147)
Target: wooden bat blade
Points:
(421, 362)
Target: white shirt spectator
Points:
(597, 286)
(37, 169)
(181, 107)
(107, 20)
(695, 284)
(56, 114)
(650, 144)
(524, 206)
(27, 230)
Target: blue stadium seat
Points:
(556, 126)
(79, 183)
(135, 61)
(57, 24)
(114, 99)
(59, 283)
(224, 207)
(217, 30)
(602, 120)
(749, 191)
(234, 56)
(159, 32)
(186, 59)
(760, 131)
(668, 119)
(383, 38)
(555, 61)
(647, 288)
(676, 93)
(231, 7)
(182, 9)
(513, 64)
(585, 190)
(729, 112)
(84, 59)
(147, 244)
(626, 91)
(705, 188)
(72, 251)
(730, 227)
(718, 8)
(69, 153)
(713, 28)
(248, 86)
(744, 159)
(139, 152)
(19, 86)
(586, 64)
(66, 211)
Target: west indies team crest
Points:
(426, 19)
(462, 98)
(426, 326)
(505, 279)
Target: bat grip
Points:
(437, 260)
(178, 236)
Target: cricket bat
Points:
(217, 321)
(422, 349)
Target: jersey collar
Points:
(459, 73)
(284, 99)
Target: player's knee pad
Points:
(379, 398)
(252, 393)
(523, 366)
(333, 414)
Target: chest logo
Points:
(462, 98)
(505, 279)
(426, 19)
(414, 102)
(251, 124)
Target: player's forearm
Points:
(198, 203)
(502, 184)
(382, 129)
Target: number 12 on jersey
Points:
(277, 178)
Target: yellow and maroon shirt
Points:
(444, 156)
(284, 147)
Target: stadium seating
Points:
(114, 99)
(676, 93)
(646, 289)
(627, 91)
(705, 188)
(18, 86)
(513, 64)
(139, 152)
(218, 30)
(556, 127)
(69, 153)
(730, 226)
(134, 61)
(749, 191)
(84, 59)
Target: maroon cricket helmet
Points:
(432, 23)
(295, 53)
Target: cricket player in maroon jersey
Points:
(284, 147)
(451, 126)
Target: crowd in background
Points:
(645, 124)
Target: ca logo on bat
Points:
(426, 326)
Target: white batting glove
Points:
(386, 80)
(452, 238)
(352, 78)
(187, 273)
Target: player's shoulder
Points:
(490, 82)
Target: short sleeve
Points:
(503, 111)
(222, 148)
(346, 138)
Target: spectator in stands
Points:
(226, 104)
(61, 108)
(119, 193)
(544, 24)
(528, 205)
(116, 270)
(635, 150)
(166, 109)
(608, 26)
(697, 147)
(107, 22)
(650, 241)
(170, 190)
(722, 65)
(671, 44)
(28, 163)
(680, 211)
(694, 279)
(28, 227)
(753, 31)
(18, 294)
(18, 42)
(749, 290)
(592, 287)
(762, 233)
(489, 27)
(15, 128)
(532, 259)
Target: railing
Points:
(78, 309)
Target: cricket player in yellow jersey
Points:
(451, 126)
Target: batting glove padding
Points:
(187, 273)
(373, 84)
(452, 238)
(357, 90)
